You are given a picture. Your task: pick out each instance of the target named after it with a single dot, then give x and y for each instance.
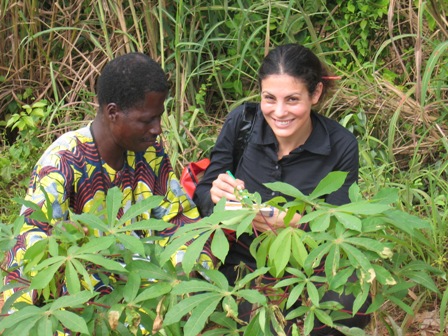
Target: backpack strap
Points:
(246, 125)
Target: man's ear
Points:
(112, 111)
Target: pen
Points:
(230, 174)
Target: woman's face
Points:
(286, 105)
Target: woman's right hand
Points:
(224, 186)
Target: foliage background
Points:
(391, 56)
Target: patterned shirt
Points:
(75, 178)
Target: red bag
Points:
(192, 174)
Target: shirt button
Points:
(276, 167)
(273, 193)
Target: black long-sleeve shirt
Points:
(330, 147)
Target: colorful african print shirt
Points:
(76, 180)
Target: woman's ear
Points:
(317, 93)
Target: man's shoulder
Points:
(65, 144)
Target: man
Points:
(119, 148)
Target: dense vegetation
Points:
(391, 57)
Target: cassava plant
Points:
(358, 238)
(149, 294)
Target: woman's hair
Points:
(296, 61)
(128, 78)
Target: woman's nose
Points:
(280, 109)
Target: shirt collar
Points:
(318, 141)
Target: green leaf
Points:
(185, 306)
(350, 222)
(47, 262)
(312, 215)
(320, 223)
(254, 326)
(131, 287)
(154, 291)
(316, 255)
(386, 196)
(220, 245)
(330, 183)
(96, 245)
(92, 221)
(176, 245)
(108, 264)
(113, 205)
(71, 277)
(217, 278)
(71, 321)
(294, 295)
(356, 257)
(139, 207)
(193, 252)
(43, 277)
(260, 247)
(45, 327)
(406, 222)
(364, 208)
(200, 315)
(371, 244)
(251, 276)
(323, 317)
(72, 300)
(192, 286)
(341, 278)
(286, 189)
(332, 262)
(360, 299)
(245, 225)
(354, 193)
(383, 276)
(148, 270)
(253, 296)
(298, 249)
(80, 268)
(221, 319)
(309, 322)
(297, 312)
(132, 243)
(146, 225)
(422, 278)
(280, 251)
(32, 313)
(313, 294)
(400, 303)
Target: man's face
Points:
(137, 128)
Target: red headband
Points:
(332, 77)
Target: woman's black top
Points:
(330, 147)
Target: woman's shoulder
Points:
(334, 128)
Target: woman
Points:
(289, 143)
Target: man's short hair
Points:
(128, 78)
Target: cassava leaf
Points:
(220, 245)
(330, 183)
(72, 321)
